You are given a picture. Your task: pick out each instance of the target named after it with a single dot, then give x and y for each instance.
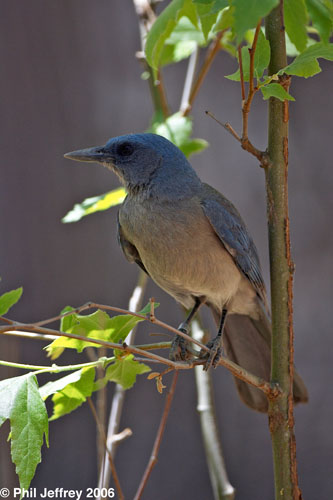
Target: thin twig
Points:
(241, 373)
(262, 156)
(154, 454)
(226, 125)
(101, 431)
(212, 51)
(252, 90)
(152, 311)
(240, 61)
(29, 335)
(6, 320)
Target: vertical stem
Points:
(221, 486)
(281, 418)
(146, 16)
(192, 64)
(212, 51)
(118, 399)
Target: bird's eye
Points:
(125, 149)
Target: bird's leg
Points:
(215, 345)
(179, 351)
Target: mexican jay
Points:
(193, 243)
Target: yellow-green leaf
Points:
(8, 299)
(95, 204)
(125, 370)
(73, 395)
(275, 90)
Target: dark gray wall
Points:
(69, 79)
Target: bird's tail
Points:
(247, 342)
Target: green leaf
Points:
(178, 52)
(321, 18)
(178, 128)
(219, 5)
(125, 370)
(73, 395)
(185, 31)
(207, 19)
(95, 204)
(262, 55)
(194, 146)
(275, 90)
(67, 321)
(97, 325)
(224, 21)
(8, 392)
(8, 299)
(21, 402)
(248, 14)
(261, 60)
(306, 63)
(163, 27)
(295, 17)
(56, 386)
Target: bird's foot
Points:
(179, 347)
(214, 354)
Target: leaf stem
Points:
(55, 368)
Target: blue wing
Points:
(230, 228)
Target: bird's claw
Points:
(213, 355)
(179, 351)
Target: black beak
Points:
(96, 154)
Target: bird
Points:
(193, 243)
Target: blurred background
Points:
(70, 79)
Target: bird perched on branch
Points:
(193, 243)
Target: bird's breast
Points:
(180, 250)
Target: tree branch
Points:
(281, 417)
(252, 90)
(246, 144)
(271, 390)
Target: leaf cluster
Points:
(308, 26)
(22, 401)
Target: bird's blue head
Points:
(144, 163)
